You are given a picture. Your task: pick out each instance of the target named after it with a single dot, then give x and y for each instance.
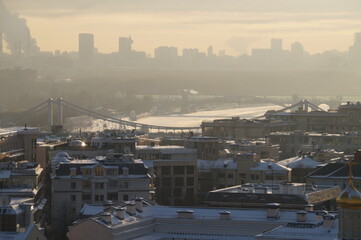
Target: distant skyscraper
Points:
(210, 51)
(276, 44)
(86, 48)
(296, 49)
(125, 47)
(355, 49)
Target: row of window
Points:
(177, 192)
(177, 170)
(100, 171)
(223, 175)
(113, 196)
(178, 181)
(101, 185)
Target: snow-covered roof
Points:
(148, 163)
(90, 210)
(77, 143)
(299, 162)
(265, 165)
(302, 231)
(167, 149)
(218, 164)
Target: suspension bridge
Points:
(59, 104)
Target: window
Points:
(230, 175)
(190, 192)
(73, 198)
(126, 185)
(86, 196)
(178, 182)
(242, 175)
(125, 197)
(221, 175)
(99, 171)
(86, 184)
(86, 171)
(99, 198)
(178, 170)
(112, 172)
(254, 177)
(99, 185)
(177, 192)
(190, 181)
(166, 182)
(166, 156)
(190, 169)
(113, 183)
(165, 170)
(113, 196)
(73, 185)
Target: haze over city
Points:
(236, 26)
(180, 120)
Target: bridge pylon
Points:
(50, 113)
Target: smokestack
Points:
(273, 210)
(16, 33)
(139, 204)
(301, 216)
(1, 43)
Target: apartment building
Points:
(175, 172)
(18, 143)
(115, 178)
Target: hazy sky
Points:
(234, 25)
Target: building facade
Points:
(78, 182)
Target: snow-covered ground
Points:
(175, 120)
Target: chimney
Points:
(73, 172)
(309, 207)
(28, 214)
(224, 215)
(357, 156)
(185, 214)
(328, 220)
(273, 210)
(107, 204)
(320, 214)
(120, 212)
(301, 216)
(106, 217)
(130, 207)
(125, 171)
(139, 204)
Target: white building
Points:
(138, 222)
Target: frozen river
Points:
(175, 120)
(195, 119)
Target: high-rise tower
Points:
(86, 48)
(125, 47)
(276, 44)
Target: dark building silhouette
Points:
(125, 47)
(86, 48)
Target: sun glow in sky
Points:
(236, 26)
